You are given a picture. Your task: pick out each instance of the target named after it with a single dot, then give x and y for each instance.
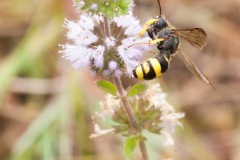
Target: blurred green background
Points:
(46, 106)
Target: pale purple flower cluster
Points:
(107, 46)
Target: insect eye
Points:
(161, 24)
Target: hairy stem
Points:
(126, 103)
(130, 114)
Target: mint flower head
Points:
(104, 45)
(152, 111)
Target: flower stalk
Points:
(131, 117)
(106, 28)
(126, 104)
(143, 150)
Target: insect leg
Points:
(156, 41)
(149, 43)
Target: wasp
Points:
(167, 39)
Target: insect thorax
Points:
(171, 42)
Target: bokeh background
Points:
(46, 106)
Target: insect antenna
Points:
(159, 5)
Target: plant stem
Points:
(130, 114)
(143, 150)
(126, 103)
(106, 27)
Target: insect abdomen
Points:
(152, 68)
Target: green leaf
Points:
(130, 146)
(107, 87)
(136, 89)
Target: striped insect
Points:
(167, 40)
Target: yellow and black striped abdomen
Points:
(152, 68)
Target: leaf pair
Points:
(112, 89)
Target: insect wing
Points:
(195, 36)
(195, 70)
